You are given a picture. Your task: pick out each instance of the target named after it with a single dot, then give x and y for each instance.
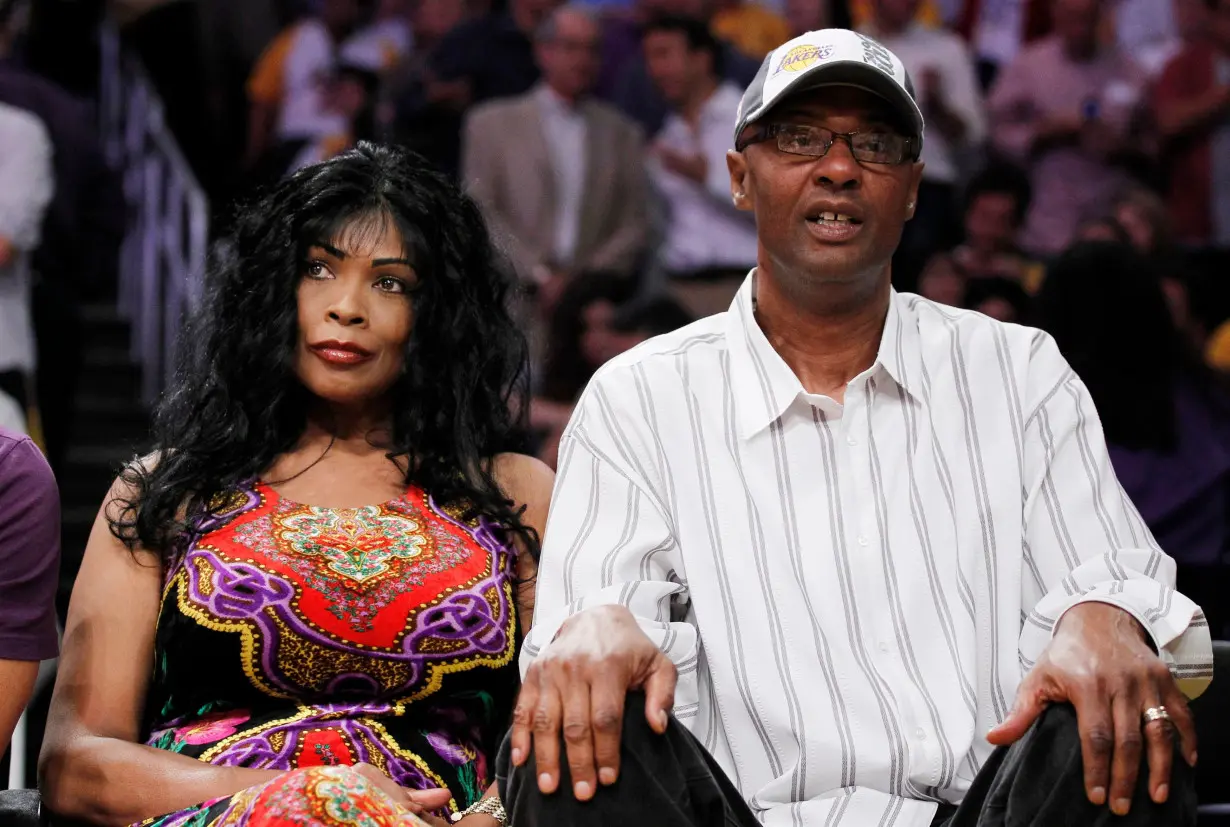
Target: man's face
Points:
(569, 61)
(672, 65)
(1076, 23)
(791, 194)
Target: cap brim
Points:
(854, 73)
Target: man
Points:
(491, 56)
(1192, 106)
(559, 175)
(26, 186)
(632, 89)
(852, 539)
(29, 572)
(952, 104)
(1067, 109)
(709, 244)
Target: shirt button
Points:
(862, 539)
(850, 440)
(885, 648)
(920, 734)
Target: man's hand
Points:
(577, 686)
(6, 251)
(1100, 662)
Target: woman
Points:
(1164, 418)
(328, 561)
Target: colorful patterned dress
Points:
(292, 636)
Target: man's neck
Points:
(825, 341)
(570, 101)
(692, 107)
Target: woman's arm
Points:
(527, 482)
(92, 769)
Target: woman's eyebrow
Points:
(381, 262)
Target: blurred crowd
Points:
(1077, 172)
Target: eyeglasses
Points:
(870, 147)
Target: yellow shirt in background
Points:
(751, 28)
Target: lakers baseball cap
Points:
(830, 57)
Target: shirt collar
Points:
(764, 384)
(554, 104)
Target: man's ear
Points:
(740, 180)
(911, 203)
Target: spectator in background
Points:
(1191, 103)
(1171, 452)
(290, 106)
(635, 91)
(491, 56)
(424, 112)
(388, 39)
(560, 176)
(947, 87)
(709, 246)
(1067, 109)
(81, 234)
(1102, 228)
(1001, 299)
(352, 92)
(600, 320)
(996, 202)
(813, 15)
(29, 572)
(942, 281)
(749, 27)
(580, 340)
(26, 186)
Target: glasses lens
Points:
(879, 147)
(802, 140)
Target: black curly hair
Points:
(235, 403)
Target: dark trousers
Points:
(670, 781)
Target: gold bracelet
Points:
(489, 806)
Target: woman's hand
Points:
(418, 802)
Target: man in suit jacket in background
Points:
(559, 176)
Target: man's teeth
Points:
(833, 216)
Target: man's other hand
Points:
(1100, 662)
(577, 688)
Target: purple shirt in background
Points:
(29, 551)
(1183, 495)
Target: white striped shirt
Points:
(853, 592)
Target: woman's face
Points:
(355, 313)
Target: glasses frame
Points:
(766, 132)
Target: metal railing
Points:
(162, 260)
